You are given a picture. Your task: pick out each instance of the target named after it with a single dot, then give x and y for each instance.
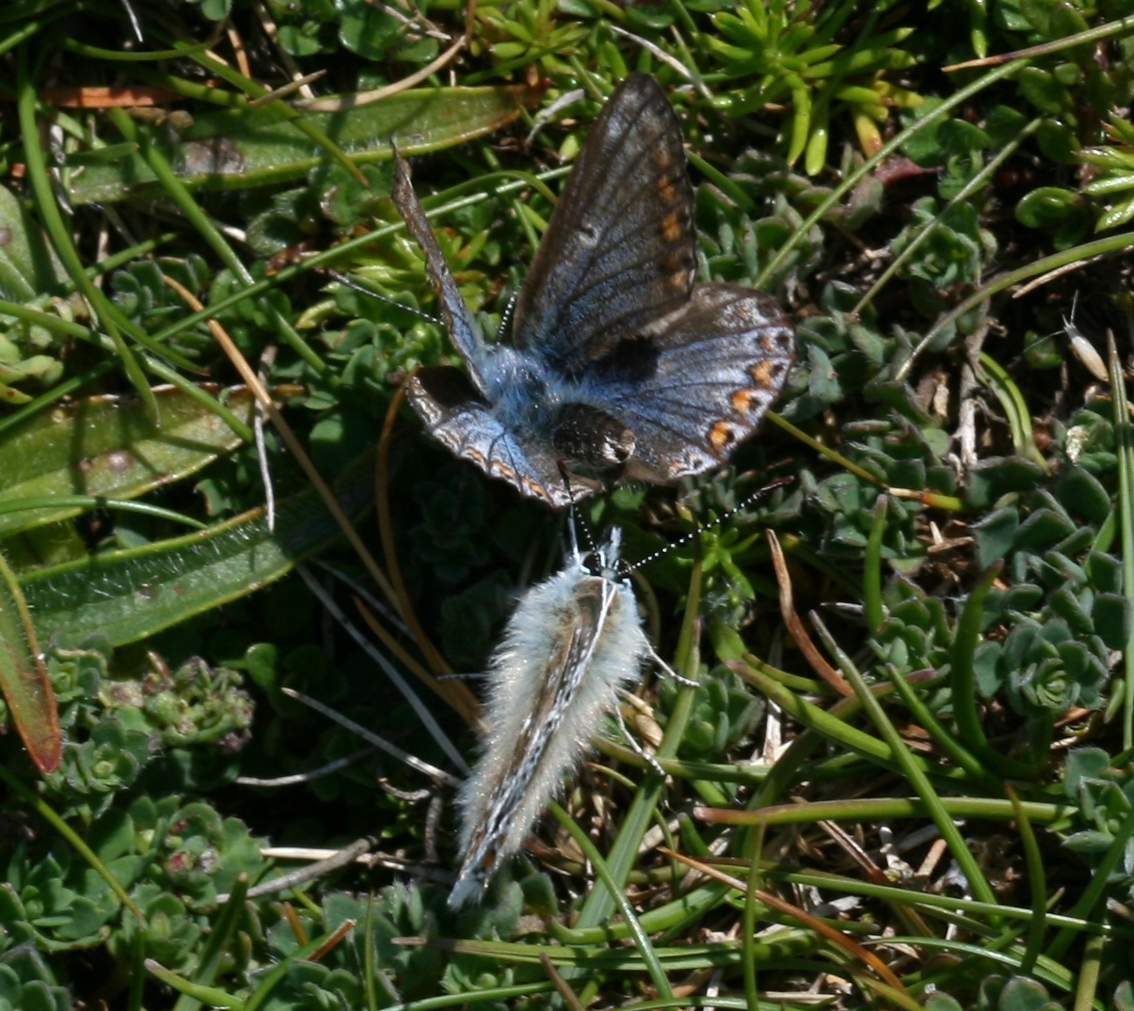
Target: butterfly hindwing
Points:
(457, 416)
(620, 249)
(693, 384)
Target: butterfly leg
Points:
(633, 741)
(669, 672)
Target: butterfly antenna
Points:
(747, 500)
(506, 320)
(362, 289)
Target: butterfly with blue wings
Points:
(619, 366)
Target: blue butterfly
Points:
(619, 365)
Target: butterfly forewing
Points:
(463, 329)
(620, 249)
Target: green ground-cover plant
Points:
(948, 697)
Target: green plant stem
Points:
(964, 687)
(1089, 968)
(55, 394)
(1125, 452)
(15, 505)
(1099, 247)
(1100, 32)
(792, 763)
(278, 106)
(179, 193)
(136, 997)
(195, 992)
(722, 182)
(124, 56)
(218, 944)
(872, 569)
(831, 727)
(32, 28)
(926, 718)
(158, 368)
(930, 498)
(333, 256)
(1037, 879)
(693, 904)
(996, 378)
(924, 901)
(927, 230)
(615, 888)
(867, 810)
(754, 843)
(979, 955)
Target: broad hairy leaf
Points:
(108, 446)
(256, 147)
(130, 594)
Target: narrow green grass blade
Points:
(927, 230)
(61, 238)
(1037, 878)
(217, 946)
(641, 938)
(1125, 449)
(913, 770)
(895, 143)
(1098, 247)
(964, 688)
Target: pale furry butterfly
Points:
(572, 644)
(619, 366)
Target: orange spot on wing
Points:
(676, 274)
(671, 227)
(666, 190)
(720, 436)
(742, 401)
(763, 373)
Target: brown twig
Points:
(248, 374)
(795, 626)
(848, 944)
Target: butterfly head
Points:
(604, 560)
